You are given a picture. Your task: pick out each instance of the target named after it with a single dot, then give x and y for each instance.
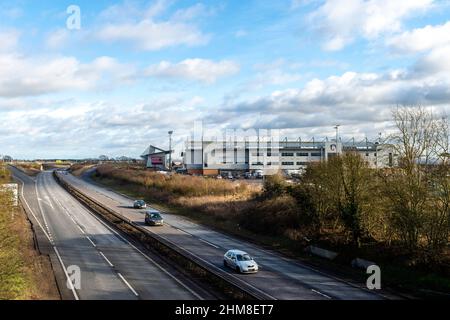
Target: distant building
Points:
(156, 158)
(218, 157)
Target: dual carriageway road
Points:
(111, 266)
(279, 277)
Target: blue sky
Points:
(136, 69)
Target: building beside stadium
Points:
(214, 157)
(156, 158)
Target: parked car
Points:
(259, 174)
(181, 171)
(219, 177)
(139, 204)
(230, 176)
(240, 261)
(153, 218)
(247, 175)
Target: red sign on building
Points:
(157, 160)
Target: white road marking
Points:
(31, 211)
(81, 229)
(77, 224)
(145, 256)
(75, 295)
(211, 244)
(102, 191)
(92, 242)
(69, 281)
(106, 259)
(49, 202)
(322, 294)
(189, 234)
(128, 285)
(42, 211)
(207, 262)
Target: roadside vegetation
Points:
(24, 274)
(399, 217)
(80, 169)
(217, 199)
(30, 168)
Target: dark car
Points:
(153, 218)
(139, 204)
(181, 171)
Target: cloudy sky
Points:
(136, 69)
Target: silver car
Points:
(240, 261)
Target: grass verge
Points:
(25, 274)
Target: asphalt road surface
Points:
(111, 267)
(279, 277)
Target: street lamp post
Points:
(337, 132)
(170, 150)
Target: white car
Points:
(240, 261)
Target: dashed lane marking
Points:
(128, 285)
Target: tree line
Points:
(405, 207)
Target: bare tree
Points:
(416, 137)
(417, 192)
(355, 199)
(442, 143)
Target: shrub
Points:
(272, 216)
(274, 186)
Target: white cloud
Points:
(131, 10)
(57, 38)
(206, 71)
(275, 73)
(116, 129)
(435, 62)
(141, 27)
(193, 12)
(340, 22)
(157, 7)
(150, 36)
(25, 76)
(360, 101)
(8, 40)
(421, 39)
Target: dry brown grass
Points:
(78, 169)
(30, 168)
(24, 273)
(212, 199)
(179, 185)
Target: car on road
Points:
(139, 204)
(153, 218)
(240, 261)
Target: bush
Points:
(272, 216)
(274, 186)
